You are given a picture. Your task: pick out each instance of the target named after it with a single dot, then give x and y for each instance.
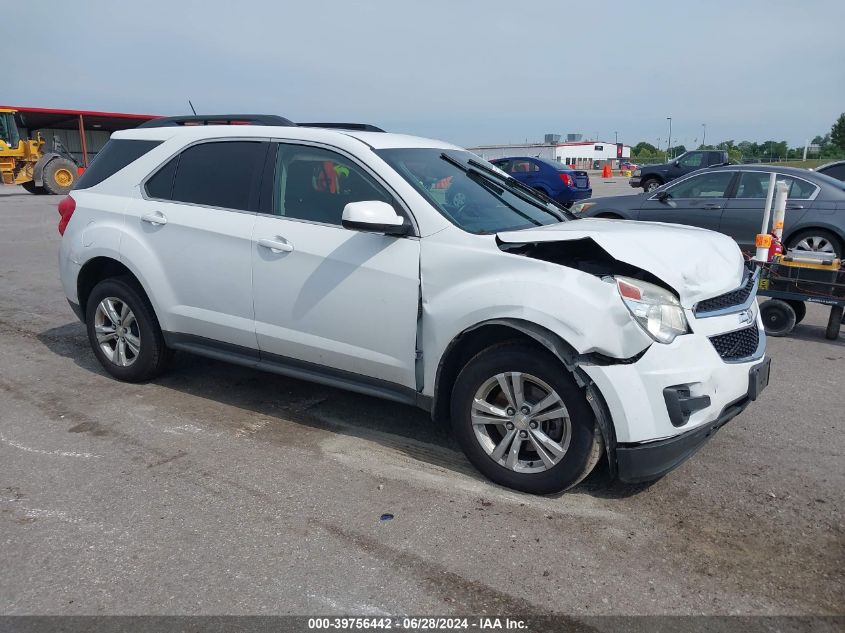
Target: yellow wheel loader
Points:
(24, 162)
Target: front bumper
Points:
(669, 401)
(635, 182)
(651, 460)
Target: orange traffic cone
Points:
(606, 173)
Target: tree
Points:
(837, 132)
(643, 148)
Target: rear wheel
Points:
(650, 184)
(778, 317)
(816, 241)
(834, 323)
(32, 188)
(522, 420)
(59, 176)
(800, 309)
(124, 331)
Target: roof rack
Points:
(219, 119)
(358, 127)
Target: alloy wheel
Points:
(815, 243)
(118, 334)
(521, 422)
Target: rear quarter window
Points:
(117, 154)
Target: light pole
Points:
(704, 136)
(669, 143)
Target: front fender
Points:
(582, 310)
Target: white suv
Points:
(410, 269)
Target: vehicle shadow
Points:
(396, 427)
(815, 333)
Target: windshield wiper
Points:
(521, 186)
(507, 183)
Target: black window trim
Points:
(155, 144)
(403, 206)
(255, 139)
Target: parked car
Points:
(340, 258)
(626, 165)
(835, 169)
(731, 199)
(650, 177)
(556, 180)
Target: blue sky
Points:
(471, 72)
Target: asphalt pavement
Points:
(222, 490)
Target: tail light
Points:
(566, 178)
(66, 208)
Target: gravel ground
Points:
(218, 489)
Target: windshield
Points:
(470, 197)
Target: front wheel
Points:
(651, 184)
(124, 331)
(523, 422)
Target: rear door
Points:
(743, 216)
(326, 295)
(526, 170)
(697, 201)
(193, 227)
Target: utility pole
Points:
(669, 143)
(704, 135)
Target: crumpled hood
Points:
(697, 263)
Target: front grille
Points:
(728, 300)
(738, 344)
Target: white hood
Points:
(697, 263)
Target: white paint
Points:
(39, 451)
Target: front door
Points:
(697, 201)
(326, 295)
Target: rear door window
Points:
(223, 174)
(117, 154)
(755, 185)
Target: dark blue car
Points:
(556, 180)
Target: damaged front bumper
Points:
(667, 403)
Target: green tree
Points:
(643, 148)
(837, 132)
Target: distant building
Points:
(581, 154)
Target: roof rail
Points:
(358, 127)
(218, 119)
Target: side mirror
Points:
(373, 216)
(663, 196)
(677, 163)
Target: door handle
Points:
(795, 206)
(156, 219)
(711, 206)
(276, 244)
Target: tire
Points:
(31, 187)
(576, 438)
(142, 331)
(59, 176)
(778, 317)
(650, 184)
(800, 309)
(817, 240)
(834, 323)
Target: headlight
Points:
(582, 207)
(637, 172)
(657, 310)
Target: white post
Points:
(780, 208)
(764, 240)
(806, 143)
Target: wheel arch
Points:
(816, 226)
(98, 269)
(480, 336)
